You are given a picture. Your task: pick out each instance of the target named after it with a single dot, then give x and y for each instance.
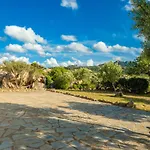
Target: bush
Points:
(76, 86)
(107, 86)
(138, 85)
(133, 85)
(63, 81)
(110, 72)
(49, 82)
(123, 82)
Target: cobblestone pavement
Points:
(52, 121)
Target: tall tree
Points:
(141, 16)
(111, 72)
(140, 66)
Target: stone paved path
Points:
(52, 121)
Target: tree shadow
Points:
(28, 128)
(138, 100)
(111, 111)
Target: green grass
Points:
(142, 102)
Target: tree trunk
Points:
(113, 85)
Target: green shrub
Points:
(76, 86)
(133, 85)
(49, 82)
(63, 81)
(138, 85)
(110, 72)
(107, 86)
(123, 82)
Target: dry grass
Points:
(142, 102)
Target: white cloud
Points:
(7, 57)
(40, 49)
(52, 62)
(77, 47)
(77, 62)
(68, 38)
(69, 4)
(128, 6)
(36, 47)
(90, 62)
(24, 35)
(73, 47)
(141, 38)
(117, 58)
(15, 48)
(68, 63)
(59, 48)
(46, 54)
(101, 46)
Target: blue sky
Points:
(67, 32)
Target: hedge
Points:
(134, 85)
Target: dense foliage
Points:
(111, 72)
(140, 66)
(17, 74)
(109, 76)
(134, 85)
(141, 16)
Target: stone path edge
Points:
(121, 104)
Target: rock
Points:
(6, 144)
(121, 104)
(57, 145)
(119, 94)
(130, 104)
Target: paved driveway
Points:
(52, 121)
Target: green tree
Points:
(84, 78)
(62, 78)
(83, 74)
(140, 66)
(111, 72)
(141, 16)
(64, 81)
(49, 81)
(36, 65)
(131, 68)
(143, 65)
(56, 72)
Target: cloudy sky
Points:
(67, 32)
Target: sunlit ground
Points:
(141, 102)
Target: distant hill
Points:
(96, 68)
(123, 64)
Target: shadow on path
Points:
(111, 111)
(28, 128)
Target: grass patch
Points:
(141, 102)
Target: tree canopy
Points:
(141, 16)
(111, 72)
